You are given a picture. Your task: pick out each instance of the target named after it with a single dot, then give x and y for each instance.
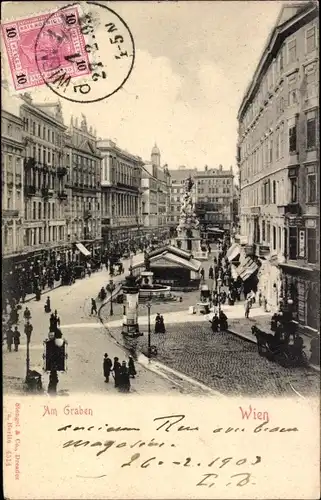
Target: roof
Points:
(192, 264)
(179, 175)
(174, 250)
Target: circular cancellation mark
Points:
(85, 53)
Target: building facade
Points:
(155, 196)
(214, 199)
(12, 155)
(121, 189)
(44, 178)
(177, 180)
(84, 188)
(278, 159)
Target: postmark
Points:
(62, 38)
(110, 54)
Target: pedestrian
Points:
(47, 305)
(214, 323)
(116, 370)
(16, 338)
(202, 273)
(247, 308)
(93, 307)
(131, 367)
(107, 366)
(211, 273)
(158, 323)
(27, 314)
(52, 321)
(162, 328)
(9, 338)
(124, 379)
(28, 330)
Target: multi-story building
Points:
(84, 183)
(178, 177)
(214, 193)
(12, 155)
(155, 196)
(121, 185)
(44, 178)
(278, 158)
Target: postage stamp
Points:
(110, 50)
(57, 45)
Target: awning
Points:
(215, 230)
(233, 252)
(249, 267)
(82, 249)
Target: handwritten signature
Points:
(170, 423)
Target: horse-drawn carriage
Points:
(278, 350)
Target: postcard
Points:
(160, 255)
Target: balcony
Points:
(30, 190)
(256, 210)
(87, 214)
(281, 209)
(46, 192)
(106, 221)
(10, 213)
(62, 195)
(29, 163)
(293, 209)
(62, 171)
(262, 250)
(249, 250)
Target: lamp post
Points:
(111, 287)
(149, 305)
(219, 284)
(28, 358)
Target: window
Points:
(39, 210)
(312, 246)
(292, 139)
(268, 232)
(271, 150)
(294, 189)
(282, 58)
(274, 237)
(310, 39)
(311, 132)
(33, 128)
(293, 242)
(291, 51)
(311, 188)
(274, 192)
(263, 230)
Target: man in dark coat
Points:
(116, 370)
(158, 323)
(107, 366)
(93, 307)
(131, 367)
(28, 330)
(16, 338)
(9, 338)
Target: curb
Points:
(244, 337)
(43, 293)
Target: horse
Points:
(265, 339)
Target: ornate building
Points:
(84, 184)
(45, 173)
(278, 158)
(120, 182)
(155, 196)
(12, 155)
(214, 199)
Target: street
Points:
(87, 339)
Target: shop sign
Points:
(302, 243)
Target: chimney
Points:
(206, 168)
(220, 168)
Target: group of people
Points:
(122, 372)
(219, 322)
(10, 331)
(159, 324)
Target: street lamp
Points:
(111, 287)
(149, 305)
(219, 284)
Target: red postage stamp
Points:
(59, 43)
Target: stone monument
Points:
(188, 231)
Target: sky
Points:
(193, 63)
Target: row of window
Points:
(287, 55)
(40, 235)
(272, 149)
(41, 179)
(45, 210)
(11, 130)
(275, 192)
(43, 132)
(224, 190)
(11, 163)
(214, 181)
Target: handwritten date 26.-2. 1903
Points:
(108, 52)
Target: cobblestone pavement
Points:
(87, 342)
(224, 362)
